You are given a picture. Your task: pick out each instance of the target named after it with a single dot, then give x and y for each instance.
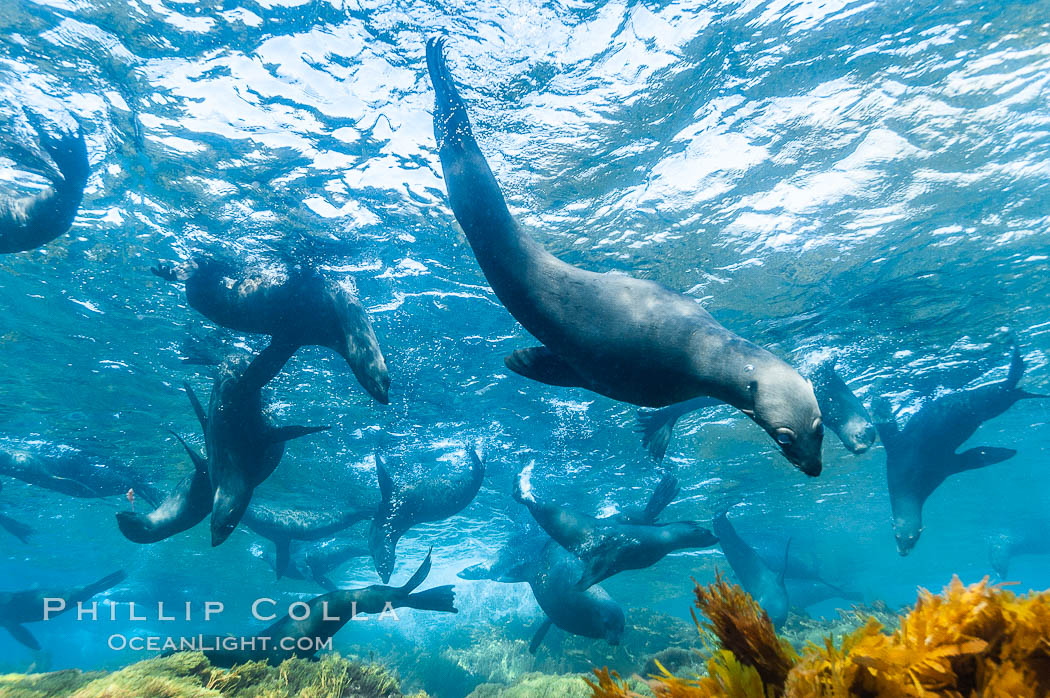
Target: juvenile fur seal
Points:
(69, 471)
(19, 607)
(242, 444)
(296, 306)
(405, 504)
(922, 455)
(840, 409)
(314, 561)
(184, 507)
(340, 607)
(33, 221)
(605, 546)
(765, 584)
(16, 528)
(626, 338)
(282, 526)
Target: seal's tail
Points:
(441, 599)
(69, 151)
(655, 427)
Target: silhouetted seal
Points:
(283, 525)
(626, 338)
(69, 471)
(19, 607)
(242, 444)
(314, 561)
(405, 504)
(296, 306)
(184, 507)
(16, 528)
(33, 221)
(841, 410)
(339, 607)
(1027, 540)
(605, 546)
(766, 585)
(922, 455)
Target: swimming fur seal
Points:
(841, 410)
(405, 504)
(283, 525)
(184, 507)
(606, 546)
(33, 221)
(315, 560)
(1029, 540)
(19, 607)
(296, 306)
(922, 455)
(16, 528)
(340, 607)
(765, 584)
(243, 446)
(629, 339)
(69, 471)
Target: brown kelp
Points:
(970, 641)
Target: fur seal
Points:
(295, 306)
(243, 446)
(69, 471)
(282, 526)
(340, 607)
(922, 455)
(605, 546)
(841, 410)
(625, 338)
(1029, 540)
(184, 507)
(16, 528)
(315, 560)
(20, 607)
(34, 221)
(765, 584)
(407, 503)
(803, 580)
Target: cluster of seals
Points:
(629, 339)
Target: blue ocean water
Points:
(858, 179)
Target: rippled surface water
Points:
(859, 177)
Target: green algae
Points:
(538, 685)
(191, 675)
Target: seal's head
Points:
(785, 406)
(776, 607)
(613, 623)
(382, 548)
(135, 527)
(907, 532)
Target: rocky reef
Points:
(968, 641)
(190, 675)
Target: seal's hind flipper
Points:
(656, 427)
(420, 575)
(541, 632)
(980, 457)
(22, 636)
(541, 364)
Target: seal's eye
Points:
(785, 437)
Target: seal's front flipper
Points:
(589, 578)
(656, 427)
(22, 636)
(17, 529)
(197, 408)
(541, 633)
(541, 364)
(199, 462)
(281, 434)
(663, 495)
(265, 367)
(981, 457)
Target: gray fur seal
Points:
(69, 471)
(16, 528)
(283, 525)
(406, 504)
(625, 338)
(314, 561)
(33, 221)
(243, 447)
(607, 547)
(765, 584)
(295, 306)
(329, 612)
(184, 507)
(922, 455)
(20, 607)
(841, 410)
